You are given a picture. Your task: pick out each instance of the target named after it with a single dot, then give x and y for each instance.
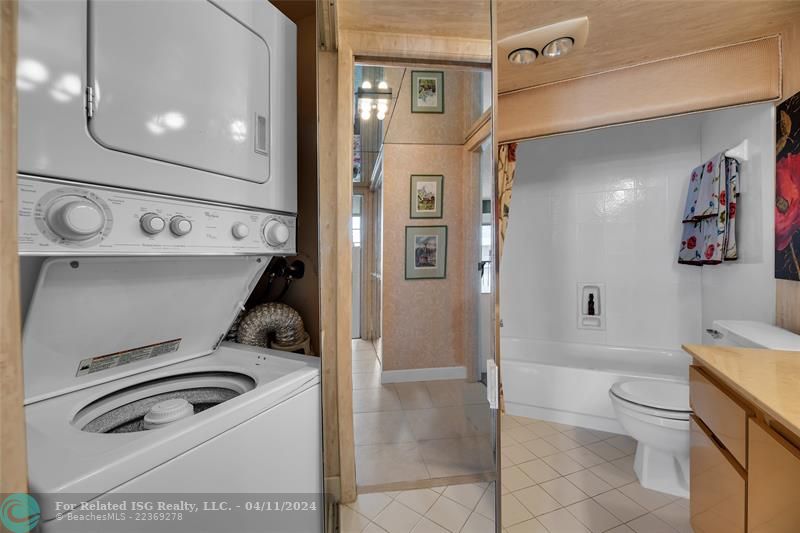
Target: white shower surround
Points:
(604, 207)
(569, 382)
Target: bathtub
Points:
(569, 382)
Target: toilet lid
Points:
(666, 395)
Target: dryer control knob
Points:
(180, 226)
(276, 233)
(152, 223)
(75, 218)
(240, 230)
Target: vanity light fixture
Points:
(523, 56)
(377, 99)
(558, 47)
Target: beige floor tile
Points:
(585, 457)
(486, 505)
(649, 499)
(513, 511)
(538, 470)
(397, 518)
(589, 483)
(650, 523)
(529, 526)
(563, 491)
(427, 526)
(370, 505)
(375, 400)
(612, 475)
(536, 500)
(584, 436)
(413, 395)
(561, 441)
(624, 443)
(508, 422)
(444, 393)
(521, 434)
(594, 516)
(374, 528)
(542, 428)
(477, 523)
(561, 521)
(507, 440)
(518, 454)
(419, 500)
(365, 365)
(676, 515)
(515, 479)
(455, 457)
(350, 521)
(448, 514)
(621, 529)
(440, 423)
(361, 355)
(562, 427)
(540, 447)
(620, 505)
(625, 463)
(562, 463)
(606, 451)
(382, 428)
(468, 494)
(389, 463)
(366, 380)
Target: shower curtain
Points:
(506, 166)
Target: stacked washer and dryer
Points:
(157, 177)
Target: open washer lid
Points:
(96, 319)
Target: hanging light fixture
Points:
(370, 98)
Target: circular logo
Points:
(20, 513)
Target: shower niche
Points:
(591, 303)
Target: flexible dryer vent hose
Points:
(271, 322)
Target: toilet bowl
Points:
(656, 413)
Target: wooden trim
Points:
(742, 73)
(13, 461)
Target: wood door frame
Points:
(364, 45)
(13, 452)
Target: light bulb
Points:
(383, 106)
(365, 114)
(559, 47)
(381, 115)
(383, 85)
(366, 85)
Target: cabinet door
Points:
(774, 482)
(717, 487)
(720, 413)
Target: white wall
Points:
(605, 207)
(745, 289)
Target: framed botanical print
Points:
(427, 91)
(426, 196)
(426, 252)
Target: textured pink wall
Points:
(423, 320)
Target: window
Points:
(356, 220)
(486, 258)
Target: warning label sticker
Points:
(111, 360)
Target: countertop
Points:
(768, 379)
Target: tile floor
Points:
(416, 431)
(564, 479)
(467, 508)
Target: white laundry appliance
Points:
(190, 98)
(157, 178)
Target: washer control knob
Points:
(180, 226)
(240, 230)
(276, 233)
(152, 223)
(75, 218)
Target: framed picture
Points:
(426, 196)
(427, 91)
(426, 252)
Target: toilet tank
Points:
(749, 334)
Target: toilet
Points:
(656, 413)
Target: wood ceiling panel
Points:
(466, 19)
(629, 32)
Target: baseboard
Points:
(424, 374)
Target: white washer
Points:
(108, 340)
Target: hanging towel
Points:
(709, 232)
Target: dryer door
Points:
(181, 82)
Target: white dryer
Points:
(190, 98)
(131, 395)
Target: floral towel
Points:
(709, 230)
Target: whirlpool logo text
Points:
(20, 513)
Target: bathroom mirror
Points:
(415, 434)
